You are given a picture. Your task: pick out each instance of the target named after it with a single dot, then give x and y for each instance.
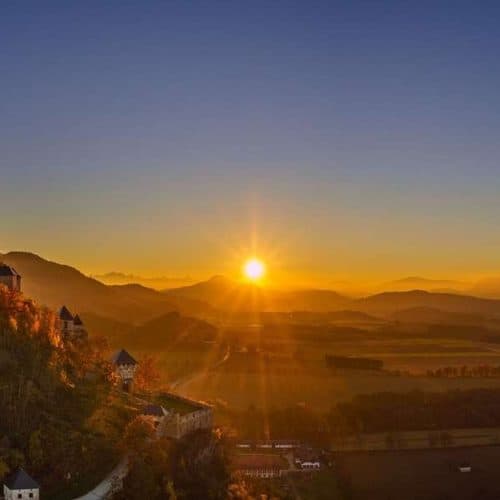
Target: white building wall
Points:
(25, 494)
(67, 327)
(178, 426)
(126, 372)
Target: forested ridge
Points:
(59, 417)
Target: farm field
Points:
(418, 439)
(295, 373)
(421, 475)
(320, 391)
(178, 363)
(318, 486)
(415, 355)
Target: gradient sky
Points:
(346, 140)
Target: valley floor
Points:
(420, 475)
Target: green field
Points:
(317, 486)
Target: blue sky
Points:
(354, 138)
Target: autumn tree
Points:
(147, 376)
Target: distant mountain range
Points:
(388, 303)
(418, 283)
(157, 282)
(229, 295)
(54, 284)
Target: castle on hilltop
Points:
(72, 327)
(10, 277)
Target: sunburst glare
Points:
(254, 269)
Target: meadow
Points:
(295, 372)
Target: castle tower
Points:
(66, 321)
(125, 366)
(79, 327)
(20, 485)
(10, 277)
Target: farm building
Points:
(307, 459)
(21, 486)
(465, 467)
(263, 466)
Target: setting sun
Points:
(254, 269)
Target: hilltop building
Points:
(184, 415)
(78, 326)
(125, 366)
(10, 278)
(21, 486)
(155, 414)
(71, 326)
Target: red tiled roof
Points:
(256, 461)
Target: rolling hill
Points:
(168, 331)
(54, 284)
(418, 283)
(228, 295)
(436, 316)
(388, 303)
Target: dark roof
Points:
(77, 320)
(154, 410)
(65, 315)
(6, 270)
(123, 358)
(20, 480)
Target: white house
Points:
(307, 459)
(10, 278)
(465, 468)
(125, 366)
(21, 486)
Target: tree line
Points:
(372, 413)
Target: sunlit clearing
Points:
(254, 269)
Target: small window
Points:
(31, 495)
(19, 495)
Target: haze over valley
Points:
(249, 250)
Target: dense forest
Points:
(60, 417)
